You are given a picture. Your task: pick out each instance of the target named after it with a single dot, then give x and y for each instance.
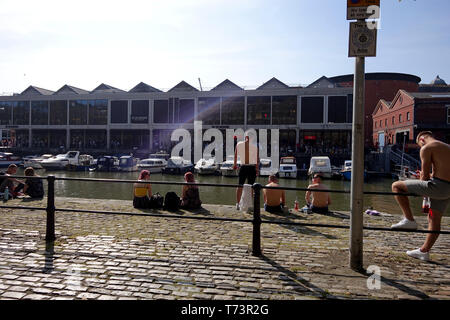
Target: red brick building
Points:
(410, 113)
(379, 85)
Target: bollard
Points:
(256, 220)
(50, 230)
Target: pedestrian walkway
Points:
(105, 256)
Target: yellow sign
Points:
(362, 3)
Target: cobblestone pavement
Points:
(105, 256)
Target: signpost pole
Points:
(356, 219)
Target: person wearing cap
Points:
(249, 169)
(318, 202)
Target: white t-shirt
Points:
(252, 151)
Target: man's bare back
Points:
(273, 197)
(319, 199)
(435, 156)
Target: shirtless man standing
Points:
(274, 199)
(320, 200)
(434, 155)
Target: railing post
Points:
(50, 230)
(256, 250)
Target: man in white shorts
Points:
(435, 156)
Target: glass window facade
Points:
(21, 138)
(40, 138)
(58, 112)
(6, 112)
(39, 112)
(57, 138)
(183, 110)
(233, 110)
(119, 111)
(78, 112)
(98, 112)
(21, 113)
(284, 110)
(209, 110)
(161, 111)
(139, 111)
(258, 110)
(88, 139)
(127, 139)
(337, 109)
(312, 109)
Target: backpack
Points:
(171, 201)
(156, 201)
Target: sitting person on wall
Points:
(142, 192)
(190, 198)
(320, 200)
(274, 199)
(32, 187)
(10, 181)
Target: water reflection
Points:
(220, 195)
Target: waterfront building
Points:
(408, 114)
(111, 119)
(313, 120)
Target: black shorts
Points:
(319, 209)
(247, 172)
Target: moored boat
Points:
(153, 165)
(7, 158)
(128, 163)
(321, 165)
(178, 165)
(205, 167)
(288, 167)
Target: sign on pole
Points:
(363, 9)
(363, 40)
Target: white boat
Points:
(7, 158)
(128, 163)
(226, 168)
(204, 166)
(178, 165)
(320, 165)
(288, 167)
(265, 168)
(85, 162)
(61, 161)
(35, 161)
(153, 165)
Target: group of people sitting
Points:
(274, 199)
(144, 199)
(316, 201)
(30, 187)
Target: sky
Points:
(83, 43)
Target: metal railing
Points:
(256, 221)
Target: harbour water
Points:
(220, 195)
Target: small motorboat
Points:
(7, 158)
(320, 165)
(35, 161)
(106, 164)
(153, 165)
(346, 172)
(207, 167)
(265, 168)
(227, 170)
(85, 162)
(288, 167)
(128, 163)
(61, 161)
(178, 165)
